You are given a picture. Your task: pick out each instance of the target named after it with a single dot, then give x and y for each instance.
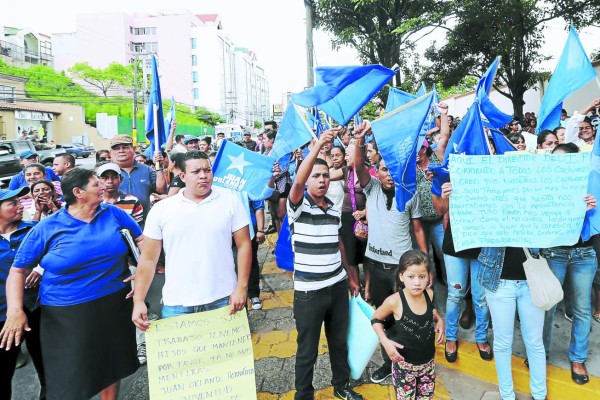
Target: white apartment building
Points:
(198, 63)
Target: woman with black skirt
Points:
(88, 340)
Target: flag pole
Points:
(155, 112)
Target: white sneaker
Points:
(256, 304)
(141, 353)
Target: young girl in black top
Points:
(410, 341)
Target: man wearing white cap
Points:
(110, 177)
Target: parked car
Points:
(10, 163)
(75, 151)
(85, 147)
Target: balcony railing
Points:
(16, 53)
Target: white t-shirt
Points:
(197, 242)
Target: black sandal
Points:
(486, 355)
(451, 356)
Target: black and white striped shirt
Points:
(314, 231)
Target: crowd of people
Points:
(66, 267)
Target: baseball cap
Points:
(247, 134)
(121, 139)
(9, 194)
(28, 154)
(189, 138)
(108, 167)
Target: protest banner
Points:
(205, 355)
(518, 200)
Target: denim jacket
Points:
(492, 261)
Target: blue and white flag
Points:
(241, 169)
(422, 90)
(494, 118)
(342, 91)
(501, 143)
(398, 98)
(155, 99)
(573, 70)
(292, 134)
(170, 117)
(399, 135)
(469, 138)
(591, 224)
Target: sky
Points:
(274, 29)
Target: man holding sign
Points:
(195, 227)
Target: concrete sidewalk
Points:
(273, 336)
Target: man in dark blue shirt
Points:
(139, 180)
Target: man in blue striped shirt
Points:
(320, 272)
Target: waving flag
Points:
(495, 118)
(591, 224)
(501, 143)
(155, 100)
(422, 90)
(398, 98)
(342, 91)
(170, 117)
(241, 169)
(572, 72)
(399, 135)
(293, 133)
(469, 138)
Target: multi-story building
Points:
(23, 47)
(198, 63)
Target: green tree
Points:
(105, 79)
(382, 31)
(512, 29)
(208, 117)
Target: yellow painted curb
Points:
(281, 344)
(560, 385)
(369, 390)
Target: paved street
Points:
(273, 336)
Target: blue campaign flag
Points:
(399, 135)
(310, 118)
(422, 90)
(572, 72)
(591, 224)
(501, 143)
(170, 117)
(398, 98)
(241, 169)
(155, 99)
(357, 119)
(293, 133)
(342, 91)
(495, 118)
(284, 253)
(468, 138)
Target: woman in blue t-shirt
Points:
(88, 340)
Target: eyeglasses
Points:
(585, 128)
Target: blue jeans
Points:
(175, 311)
(579, 264)
(434, 231)
(457, 271)
(511, 296)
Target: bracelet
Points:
(260, 231)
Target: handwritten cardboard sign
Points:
(518, 199)
(205, 355)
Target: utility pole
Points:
(135, 89)
(310, 80)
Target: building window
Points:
(194, 60)
(7, 94)
(195, 77)
(193, 40)
(142, 31)
(143, 47)
(196, 97)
